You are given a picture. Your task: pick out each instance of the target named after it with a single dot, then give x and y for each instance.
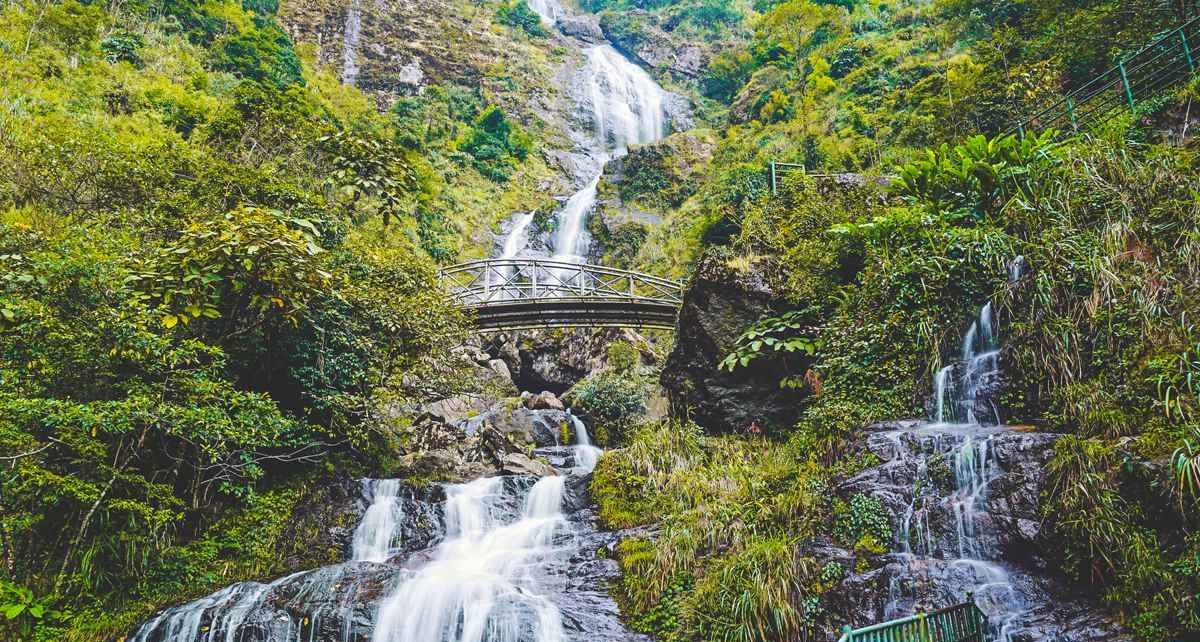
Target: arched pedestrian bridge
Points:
(514, 294)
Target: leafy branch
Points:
(772, 337)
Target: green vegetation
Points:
(731, 512)
(613, 399)
(518, 14)
(877, 277)
(216, 266)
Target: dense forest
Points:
(218, 289)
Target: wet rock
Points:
(719, 303)
(544, 400)
(522, 464)
(519, 424)
(561, 457)
(585, 28)
(947, 545)
(588, 611)
(555, 360)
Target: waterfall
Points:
(549, 10)
(480, 584)
(622, 106)
(350, 37)
(571, 242)
(517, 236)
(586, 455)
(373, 537)
(627, 105)
(964, 423)
(964, 390)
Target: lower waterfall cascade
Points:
(483, 580)
(952, 540)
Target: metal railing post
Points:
(533, 282)
(1071, 113)
(1187, 50)
(773, 190)
(1125, 82)
(487, 281)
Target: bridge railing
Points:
(960, 623)
(1136, 78)
(494, 281)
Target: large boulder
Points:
(583, 27)
(720, 302)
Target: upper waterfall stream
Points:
(622, 106)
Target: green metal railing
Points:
(961, 623)
(1137, 78)
(777, 169)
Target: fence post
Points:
(772, 178)
(1187, 50)
(1125, 82)
(1071, 113)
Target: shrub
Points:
(496, 144)
(613, 401)
(517, 14)
(863, 524)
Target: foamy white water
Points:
(586, 455)
(480, 584)
(375, 533)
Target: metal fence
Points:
(960, 623)
(1137, 78)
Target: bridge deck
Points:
(509, 294)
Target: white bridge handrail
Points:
(498, 281)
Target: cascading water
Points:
(960, 436)
(622, 106)
(481, 584)
(626, 107)
(373, 538)
(353, 28)
(484, 581)
(586, 455)
(963, 390)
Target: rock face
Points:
(638, 34)
(963, 507)
(719, 304)
(584, 27)
(555, 360)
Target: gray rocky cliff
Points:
(719, 304)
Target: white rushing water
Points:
(623, 106)
(352, 29)
(965, 420)
(962, 390)
(481, 583)
(586, 455)
(374, 535)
